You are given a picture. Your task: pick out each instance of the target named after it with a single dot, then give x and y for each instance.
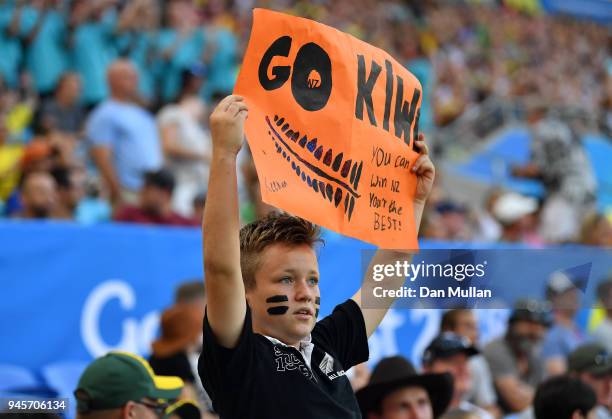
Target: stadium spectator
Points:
(124, 138)
(191, 292)
(70, 190)
(94, 26)
(564, 335)
(186, 142)
(282, 243)
(513, 359)
(488, 228)
(18, 108)
(63, 112)
(564, 397)
(177, 349)
(12, 51)
(596, 230)
(514, 212)
(560, 161)
(38, 196)
(10, 162)
(449, 353)
(603, 332)
(155, 203)
(592, 364)
(121, 385)
(44, 30)
(180, 45)
(463, 323)
(396, 390)
(454, 221)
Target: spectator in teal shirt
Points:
(92, 46)
(180, 45)
(9, 44)
(139, 23)
(44, 31)
(222, 64)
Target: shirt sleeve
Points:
(344, 333)
(500, 362)
(168, 115)
(484, 393)
(99, 129)
(552, 347)
(222, 369)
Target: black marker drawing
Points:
(342, 181)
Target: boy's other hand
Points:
(227, 125)
(424, 170)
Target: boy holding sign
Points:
(264, 355)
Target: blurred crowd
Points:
(104, 105)
(541, 366)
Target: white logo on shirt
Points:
(327, 366)
(290, 362)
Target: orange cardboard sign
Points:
(331, 126)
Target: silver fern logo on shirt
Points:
(327, 367)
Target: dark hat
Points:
(446, 345)
(592, 358)
(530, 310)
(397, 372)
(112, 380)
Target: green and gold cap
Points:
(183, 409)
(112, 380)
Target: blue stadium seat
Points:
(14, 378)
(63, 378)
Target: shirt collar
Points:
(305, 347)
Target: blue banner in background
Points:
(599, 10)
(73, 293)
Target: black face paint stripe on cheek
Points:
(318, 300)
(277, 299)
(275, 311)
(316, 313)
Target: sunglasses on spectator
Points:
(158, 408)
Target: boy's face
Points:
(285, 299)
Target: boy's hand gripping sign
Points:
(332, 122)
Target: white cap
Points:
(511, 207)
(559, 282)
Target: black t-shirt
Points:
(263, 380)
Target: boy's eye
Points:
(313, 281)
(285, 280)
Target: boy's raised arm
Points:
(425, 172)
(226, 305)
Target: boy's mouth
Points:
(336, 180)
